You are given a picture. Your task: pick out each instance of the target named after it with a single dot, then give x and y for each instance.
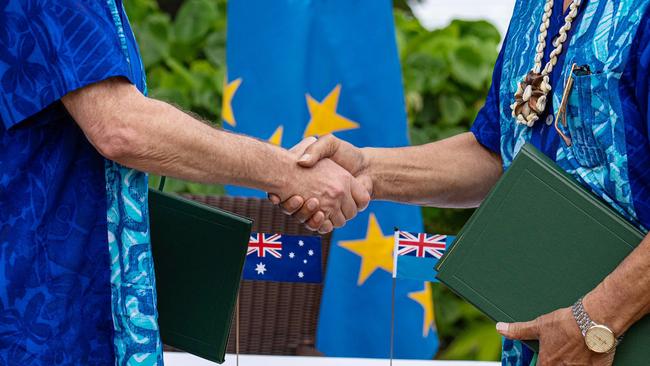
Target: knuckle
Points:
(337, 192)
(331, 143)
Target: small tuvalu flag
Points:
(416, 254)
(283, 258)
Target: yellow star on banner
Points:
(376, 250)
(229, 90)
(426, 301)
(324, 118)
(276, 138)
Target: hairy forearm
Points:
(175, 144)
(623, 297)
(454, 172)
(153, 136)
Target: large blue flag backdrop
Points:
(298, 68)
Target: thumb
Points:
(300, 147)
(360, 194)
(520, 331)
(325, 147)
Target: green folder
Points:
(538, 243)
(198, 254)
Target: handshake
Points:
(328, 186)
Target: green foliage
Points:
(446, 76)
(447, 73)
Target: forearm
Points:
(623, 297)
(153, 136)
(454, 172)
(169, 142)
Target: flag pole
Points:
(392, 299)
(392, 323)
(237, 331)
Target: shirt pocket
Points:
(588, 119)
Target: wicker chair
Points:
(275, 318)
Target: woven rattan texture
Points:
(275, 318)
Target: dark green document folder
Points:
(538, 243)
(198, 254)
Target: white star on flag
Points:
(304, 261)
(310, 252)
(301, 243)
(291, 255)
(260, 268)
(300, 274)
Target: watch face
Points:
(600, 339)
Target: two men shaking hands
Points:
(326, 182)
(322, 182)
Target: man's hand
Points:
(560, 340)
(312, 209)
(309, 153)
(337, 195)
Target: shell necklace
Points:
(532, 91)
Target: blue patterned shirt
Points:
(76, 277)
(633, 92)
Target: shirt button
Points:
(549, 120)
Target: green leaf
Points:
(468, 67)
(140, 9)
(212, 190)
(208, 84)
(153, 38)
(452, 109)
(215, 49)
(424, 71)
(194, 20)
(480, 341)
(481, 29)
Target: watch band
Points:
(583, 319)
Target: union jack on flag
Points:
(421, 245)
(265, 243)
(283, 258)
(416, 254)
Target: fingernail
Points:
(305, 158)
(502, 327)
(311, 205)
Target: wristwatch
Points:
(598, 338)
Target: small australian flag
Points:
(283, 258)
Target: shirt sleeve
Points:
(486, 126)
(49, 48)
